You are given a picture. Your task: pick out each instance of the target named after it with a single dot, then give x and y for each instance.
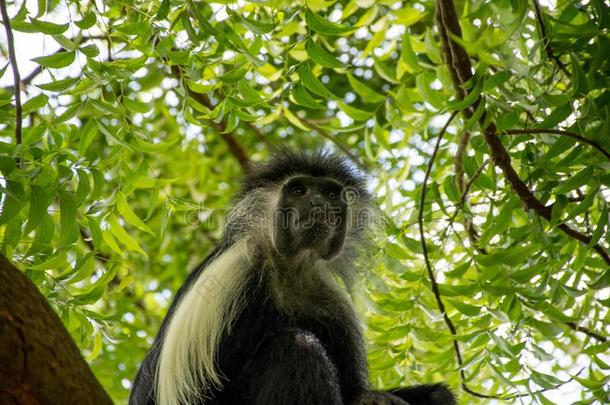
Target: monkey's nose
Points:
(316, 200)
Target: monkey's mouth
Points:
(315, 232)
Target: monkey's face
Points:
(310, 215)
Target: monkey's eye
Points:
(297, 190)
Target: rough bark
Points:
(39, 361)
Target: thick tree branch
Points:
(16, 78)
(559, 132)
(40, 364)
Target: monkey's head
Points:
(312, 204)
(311, 214)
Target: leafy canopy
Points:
(141, 115)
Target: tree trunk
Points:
(39, 361)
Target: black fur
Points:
(272, 356)
(287, 163)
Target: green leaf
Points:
(56, 261)
(384, 70)
(84, 187)
(579, 179)
(152, 147)
(545, 380)
(579, 80)
(294, 120)
(163, 10)
(498, 224)
(44, 235)
(87, 22)
(600, 228)
(355, 113)
(557, 115)
(312, 83)
(39, 202)
(584, 205)
(42, 8)
(89, 297)
(120, 233)
(319, 24)
(88, 133)
(136, 106)
(35, 103)
(129, 215)
(257, 27)
(470, 98)
(303, 98)
(23, 26)
(396, 251)
(561, 202)
(466, 309)
(57, 60)
(367, 94)
(321, 56)
(90, 51)
(14, 200)
(234, 75)
(407, 16)
(67, 219)
(58, 85)
(48, 27)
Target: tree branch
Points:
(574, 326)
(234, 146)
(461, 71)
(459, 177)
(457, 59)
(422, 239)
(16, 78)
(38, 69)
(559, 132)
(41, 364)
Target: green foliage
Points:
(128, 161)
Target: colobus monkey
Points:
(263, 320)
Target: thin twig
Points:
(569, 380)
(16, 78)
(38, 69)
(546, 42)
(574, 326)
(434, 284)
(560, 132)
(472, 233)
(475, 175)
(420, 221)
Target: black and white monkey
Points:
(263, 319)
